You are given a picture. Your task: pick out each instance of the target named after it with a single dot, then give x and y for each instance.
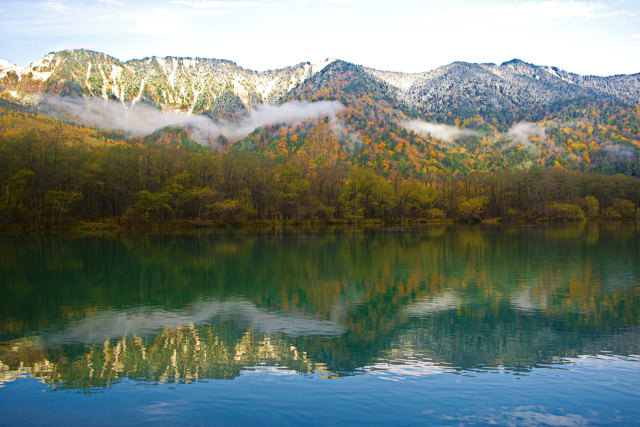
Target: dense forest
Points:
(55, 174)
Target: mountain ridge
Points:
(4, 62)
(511, 91)
(459, 118)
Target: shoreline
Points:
(107, 228)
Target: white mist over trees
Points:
(141, 120)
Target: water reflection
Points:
(83, 312)
(106, 325)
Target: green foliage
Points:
(472, 209)
(150, 205)
(610, 213)
(626, 208)
(59, 203)
(232, 210)
(436, 214)
(414, 198)
(53, 173)
(592, 206)
(367, 195)
(564, 212)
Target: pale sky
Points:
(583, 36)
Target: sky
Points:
(582, 36)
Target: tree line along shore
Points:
(48, 182)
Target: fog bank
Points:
(139, 120)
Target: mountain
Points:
(513, 90)
(171, 84)
(457, 119)
(500, 94)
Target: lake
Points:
(442, 324)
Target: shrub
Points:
(610, 213)
(472, 209)
(564, 212)
(591, 206)
(625, 208)
(436, 213)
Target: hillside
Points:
(161, 140)
(502, 94)
(181, 84)
(512, 91)
(458, 118)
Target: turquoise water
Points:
(447, 325)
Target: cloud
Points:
(620, 152)
(254, 36)
(439, 131)
(55, 6)
(518, 133)
(535, 12)
(341, 132)
(141, 120)
(337, 2)
(214, 4)
(112, 2)
(522, 132)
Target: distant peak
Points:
(80, 53)
(516, 62)
(6, 64)
(7, 67)
(322, 64)
(513, 61)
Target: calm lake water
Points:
(446, 325)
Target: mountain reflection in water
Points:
(83, 312)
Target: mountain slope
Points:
(514, 90)
(456, 119)
(500, 94)
(174, 84)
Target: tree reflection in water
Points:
(83, 312)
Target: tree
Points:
(150, 205)
(413, 198)
(292, 191)
(369, 194)
(591, 206)
(60, 202)
(472, 209)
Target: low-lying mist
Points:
(519, 133)
(443, 132)
(139, 120)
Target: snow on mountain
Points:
(177, 84)
(513, 89)
(6, 67)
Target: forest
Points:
(57, 175)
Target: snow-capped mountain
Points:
(183, 84)
(512, 88)
(511, 91)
